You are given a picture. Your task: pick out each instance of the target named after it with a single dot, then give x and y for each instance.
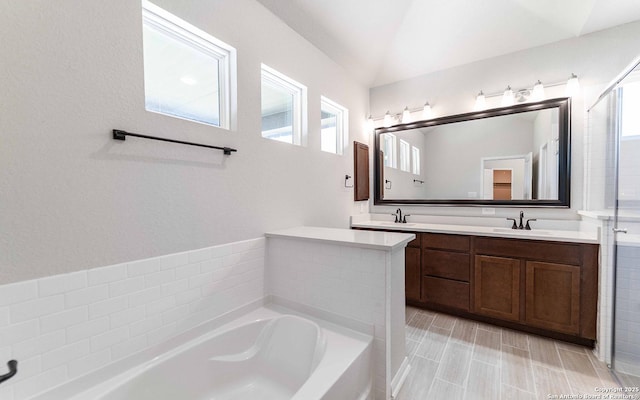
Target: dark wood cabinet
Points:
(544, 287)
(553, 296)
(361, 171)
(496, 290)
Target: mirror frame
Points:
(564, 153)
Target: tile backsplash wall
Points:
(64, 326)
(627, 349)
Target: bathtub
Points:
(269, 353)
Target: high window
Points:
(187, 72)
(405, 155)
(334, 120)
(415, 160)
(284, 107)
(389, 149)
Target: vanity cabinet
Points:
(445, 270)
(544, 287)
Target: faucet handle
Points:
(514, 226)
(404, 219)
(528, 227)
(395, 215)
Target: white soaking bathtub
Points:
(266, 354)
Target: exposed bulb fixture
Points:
(406, 115)
(370, 124)
(538, 92)
(573, 86)
(426, 111)
(508, 98)
(481, 102)
(388, 120)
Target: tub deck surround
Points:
(479, 230)
(351, 274)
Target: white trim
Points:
(400, 377)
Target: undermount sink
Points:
(521, 231)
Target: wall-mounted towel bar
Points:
(418, 181)
(122, 135)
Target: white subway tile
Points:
(143, 267)
(126, 286)
(159, 278)
(86, 296)
(127, 316)
(174, 260)
(128, 347)
(145, 296)
(161, 334)
(187, 271)
(247, 245)
(6, 392)
(197, 256)
(4, 316)
(63, 319)
(188, 296)
(200, 279)
(34, 385)
(145, 325)
(59, 284)
(84, 365)
(16, 333)
(18, 292)
(35, 308)
(99, 276)
(109, 338)
(175, 314)
(160, 306)
(100, 309)
(169, 289)
(210, 265)
(27, 368)
(87, 329)
(64, 354)
(220, 251)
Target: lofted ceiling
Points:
(384, 41)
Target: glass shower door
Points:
(626, 227)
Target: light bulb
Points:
(370, 125)
(426, 111)
(573, 86)
(481, 102)
(538, 92)
(406, 115)
(508, 98)
(388, 120)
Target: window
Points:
(405, 154)
(389, 149)
(415, 160)
(630, 124)
(334, 121)
(284, 107)
(187, 72)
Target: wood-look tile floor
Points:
(454, 358)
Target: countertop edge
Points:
(312, 235)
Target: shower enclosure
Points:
(613, 193)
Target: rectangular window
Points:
(405, 154)
(334, 120)
(389, 149)
(284, 107)
(187, 72)
(415, 160)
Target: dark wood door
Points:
(412, 276)
(361, 171)
(553, 296)
(497, 287)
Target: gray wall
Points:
(72, 198)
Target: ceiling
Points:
(384, 41)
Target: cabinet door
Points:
(412, 273)
(553, 296)
(497, 287)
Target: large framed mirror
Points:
(509, 156)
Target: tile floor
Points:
(454, 358)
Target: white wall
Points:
(596, 58)
(72, 198)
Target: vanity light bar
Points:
(536, 93)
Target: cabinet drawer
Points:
(564, 253)
(445, 241)
(445, 292)
(445, 264)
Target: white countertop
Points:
(535, 234)
(347, 237)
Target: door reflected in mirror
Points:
(514, 155)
